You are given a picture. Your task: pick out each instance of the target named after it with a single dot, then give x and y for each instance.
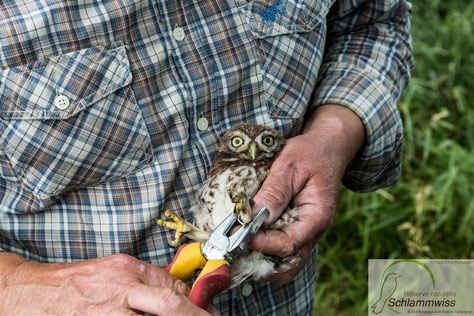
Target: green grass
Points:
(430, 213)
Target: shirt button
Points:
(247, 289)
(178, 33)
(61, 102)
(203, 124)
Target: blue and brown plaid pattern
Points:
(100, 137)
(87, 181)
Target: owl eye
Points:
(268, 140)
(237, 141)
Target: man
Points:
(111, 113)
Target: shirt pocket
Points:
(95, 134)
(289, 37)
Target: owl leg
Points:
(242, 208)
(182, 228)
(289, 216)
(287, 264)
(197, 234)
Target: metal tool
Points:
(214, 257)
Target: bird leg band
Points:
(242, 207)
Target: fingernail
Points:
(181, 287)
(257, 207)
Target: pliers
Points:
(214, 257)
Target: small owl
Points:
(245, 154)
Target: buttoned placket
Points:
(200, 121)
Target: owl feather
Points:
(245, 155)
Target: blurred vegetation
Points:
(430, 213)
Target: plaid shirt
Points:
(100, 102)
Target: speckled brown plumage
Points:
(245, 155)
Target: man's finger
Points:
(152, 275)
(212, 310)
(288, 276)
(273, 243)
(293, 237)
(161, 301)
(282, 183)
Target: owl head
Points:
(251, 142)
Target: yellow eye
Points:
(237, 141)
(268, 140)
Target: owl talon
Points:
(242, 207)
(177, 240)
(179, 225)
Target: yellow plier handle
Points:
(187, 260)
(213, 279)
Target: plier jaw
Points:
(213, 256)
(220, 246)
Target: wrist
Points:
(339, 130)
(25, 279)
(10, 265)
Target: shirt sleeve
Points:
(366, 66)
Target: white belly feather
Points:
(214, 202)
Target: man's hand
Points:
(113, 285)
(307, 174)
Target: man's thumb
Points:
(276, 193)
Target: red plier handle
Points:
(213, 279)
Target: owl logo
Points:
(388, 288)
(389, 284)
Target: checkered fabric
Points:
(87, 180)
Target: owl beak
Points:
(253, 150)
